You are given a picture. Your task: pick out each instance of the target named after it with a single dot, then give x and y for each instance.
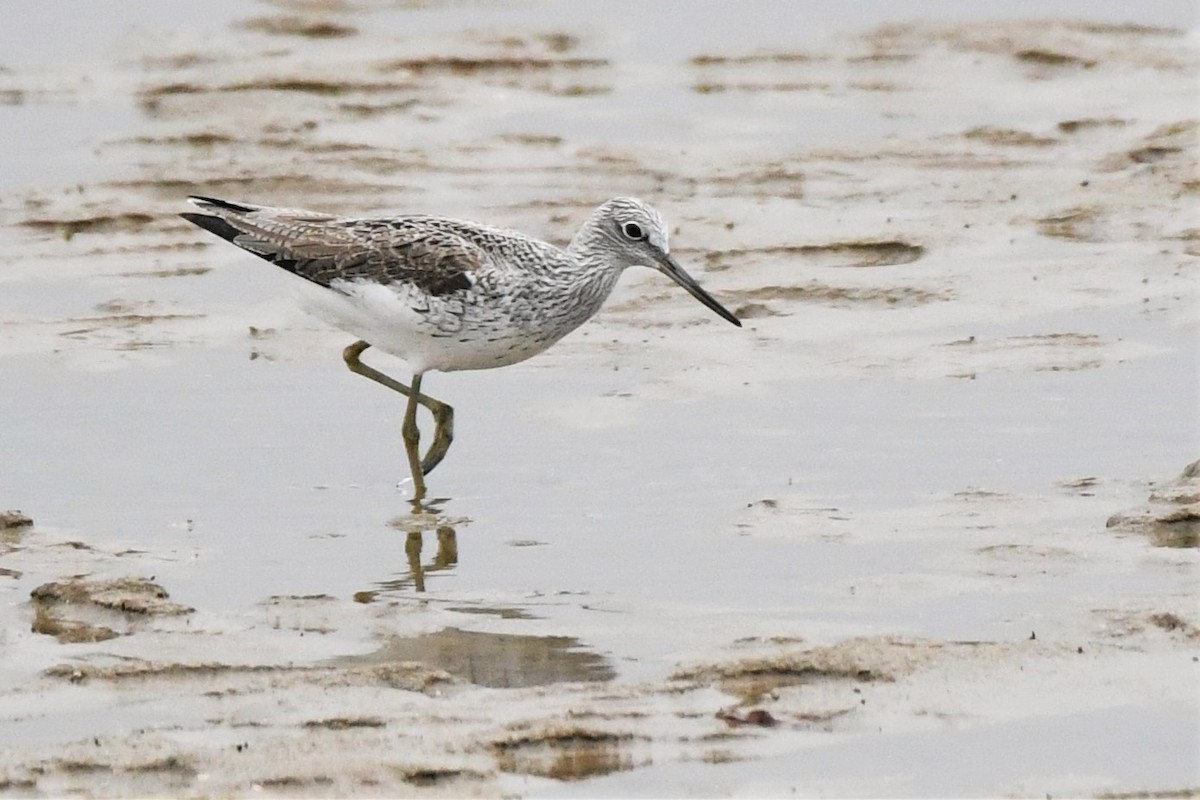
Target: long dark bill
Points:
(670, 267)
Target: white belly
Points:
(427, 339)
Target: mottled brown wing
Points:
(325, 249)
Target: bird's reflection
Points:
(497, 660)
(445, 558)
(425, 518)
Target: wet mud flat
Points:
(940, 498)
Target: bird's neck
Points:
(587, 245)
(597, 272)
(591, 249)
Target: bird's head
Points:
(630, 233)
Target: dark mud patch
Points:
(1152, 154)
(879, 86)
(882, 58)
(435, 776)
(554, 41)
(400, 75)
(572, 90)
(774, 180)
(531, 139)
(200, 139)
(177, 272)
(22, 785)
(1056, 339)
(377, 109)
(1009, 137)
(883, 253)
(141, 248)
(974, 493)
(756, 717)
(143, 670)
(759, 86)
(14, 520)
(1171, 517)
(346, 723)
(1090, 123)
(754, 58)
(127, 595)
(822, 720)
(852, 661)
(757, 302)
(409, 677)
(1184, 793)
(1082, 486)
(93, 324)
(566, 754)
(69, 631)
(166, 89)
(74, 610)
(314, 86)
(1049, 49)
(151, 97)
(275, 138)
(101, 223)
(755, 311)
(298, 26)
(74, 765)
(1174, 623)
(179, 61)
(1053, 58)
(503, 612)
(169, 764)
(499, 661)
(1179, 528)
(1168, 152)
(290, 782)
(1024, 552)
(1081, 224)
(1129, 29)
(173, 768)
(467, 66)
(816, 720)
(282, 183)
(559, 737)
(753, 679)
(1056, 352)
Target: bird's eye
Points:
(633, 230)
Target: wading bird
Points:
(444, 294)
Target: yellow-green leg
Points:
(443, 416)
(412, 439)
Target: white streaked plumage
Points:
(445, 294)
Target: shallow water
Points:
(277, 478)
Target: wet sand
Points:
(927, 525)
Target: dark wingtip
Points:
(213, 225)
(217, 202)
